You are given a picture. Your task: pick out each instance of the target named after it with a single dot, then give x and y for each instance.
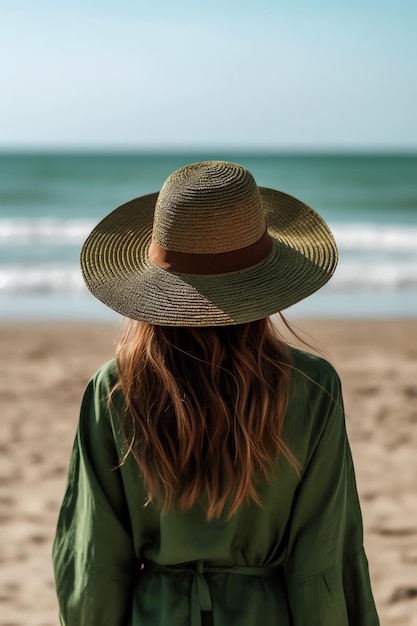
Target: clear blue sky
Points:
(300, 74)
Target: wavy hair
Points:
(204, 410)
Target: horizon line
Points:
(178, 150)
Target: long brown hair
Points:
(204, 410)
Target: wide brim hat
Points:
(210, 249)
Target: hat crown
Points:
(208, 207)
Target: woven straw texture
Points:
(207, 208)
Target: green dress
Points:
(296, 560)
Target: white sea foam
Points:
(53, 231)
(40, 279)
(350, 275)
(349, 236)
(41, 256)
(388, 276)
(375, 237)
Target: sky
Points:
(261, 74)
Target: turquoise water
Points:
(50, 202)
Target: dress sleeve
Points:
(326, 570)
(93, 554)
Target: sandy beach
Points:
(43, 370)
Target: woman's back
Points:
(301, 548)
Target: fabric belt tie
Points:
(200, 591)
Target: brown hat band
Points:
(216, 263)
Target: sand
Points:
(43, 370)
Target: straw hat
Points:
(210, 249)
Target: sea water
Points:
(50, 202)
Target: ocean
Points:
(50, 202)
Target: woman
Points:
(211, 480)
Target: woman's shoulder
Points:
(315, 398)
(102, 395)
(316, 369)
(105, 378)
